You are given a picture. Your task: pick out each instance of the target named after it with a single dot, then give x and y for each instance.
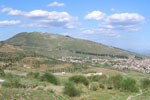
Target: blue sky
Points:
(120, 23)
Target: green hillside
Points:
(16, 59)
(54, 45)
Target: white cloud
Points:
(71, 25)
(34, 25)
(102, 32)
(45, 18)
(89, 31)
(9, 23)
(95, 15)
(112, 9)
(56, 4)
(123, 21)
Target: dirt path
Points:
(130, 97)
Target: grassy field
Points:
(144, 96)
(43, 90)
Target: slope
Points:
(54, 45)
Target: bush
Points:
(129, 84)
(33, 75)
(145, 83)
(116, 81)
(79, 79)
(94, 86)
(70, 89)
(50, 78)
(101, 85)
(11, 83)
(1, 70)
(124, 84)
(2, 74)
(50, 91)
(101, 78)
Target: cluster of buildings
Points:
(142, 65)
(71, 59)
(134, 64)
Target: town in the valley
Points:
(140, 65)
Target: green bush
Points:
(101, 85)
(145, 83)
(79, 79)
(130, 85)
(50, 91)
(94, 86)
(116, 81)
(33, 75)
(71, 90)
(124, 84)
(100, 78)
(49, 77)
(11, 83)
(2, 74)
(1, 70)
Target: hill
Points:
(54, 45)
(15, 59)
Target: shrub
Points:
(70, 89)
(79, 79)
(101, 85)
(116, 81)
(49, 78)
(145, 83)
(12, 83)
(50, 91)
(94, 86)
(101, 78)
(2, 74)
(33, 75)
(1, 70)
(129, 84)
(124, 84)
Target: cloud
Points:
(112, 25)
(123, 21)
(101, 32)
(112, 9)
(56, 4)
(95, 15)
(43, 18)
(33, 25)
(8, 23)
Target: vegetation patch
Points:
(11, 83)
(145, 83)
(49, 77)
(94, 86)
(33, 75)
(123, 83)
(71, 90)
(79, 79)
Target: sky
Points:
(119, 23)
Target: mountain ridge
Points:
(55, 45)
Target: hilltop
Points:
(54, 45)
